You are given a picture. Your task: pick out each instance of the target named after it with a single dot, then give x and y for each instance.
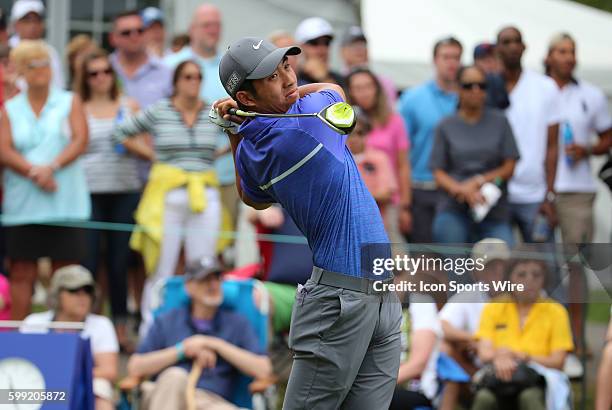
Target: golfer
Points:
(345, 336)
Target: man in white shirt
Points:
(27, 17)
(584, 111)
(71, 296)
(460, 317)
(534, 116)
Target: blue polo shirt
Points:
(175, 325)
(306, 167)
(422, 108)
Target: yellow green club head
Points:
(340, 117)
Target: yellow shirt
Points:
(546, 328)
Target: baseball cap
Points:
(201, 268)
(483, 49)
(250, 58)
(311, 28)
(152, 15)
(352, 35)
(22, 7)
(71, 277)
(491, 249)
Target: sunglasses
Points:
(87, 289)
(38, 64)
(191, 77)
(128, 33)
(471, 86)
(321, 41)
(94, 74)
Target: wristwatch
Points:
(551, 196)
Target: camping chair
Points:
(238, 297)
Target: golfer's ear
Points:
(245, 98)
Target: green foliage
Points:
(605, 5)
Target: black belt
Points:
(340, 280)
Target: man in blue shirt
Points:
(422, 108)
(344, 334)
(224, 343)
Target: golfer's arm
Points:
(316, 87)
(234, 141)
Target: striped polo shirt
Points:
(189, 148)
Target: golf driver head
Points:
(340, 117)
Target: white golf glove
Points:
(216, 119)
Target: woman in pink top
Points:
(5, 298)
(388, 135)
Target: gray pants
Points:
(346, 349)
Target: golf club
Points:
(340, 116)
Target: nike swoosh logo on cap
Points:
(256, 47)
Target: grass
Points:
(599, 312)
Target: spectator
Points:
(204, 34)
(314, 36)
(112, 178)
(472, 148)
(143, 77)
(584, 112)
(78, 47)
(27, 17)
(388, 135)
(421, 333)
(222, 342)
(155, 32)
(354, 53)
(534, 116)
(178, 42)
(43, 181)
(284, 39)
(5, 298)
(523, 328)
(205, 31)
(373, 164)
(71, 296)
(422, 108)
(485, 58)
(181, 202)
(461, 315)
(603, 400)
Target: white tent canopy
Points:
(401, 33)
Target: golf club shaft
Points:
(241, 113)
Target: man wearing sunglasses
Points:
(314, 36)
(144, 77)
(28, 19)
(223, 342)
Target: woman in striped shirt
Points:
(112, 179)
(180, 204)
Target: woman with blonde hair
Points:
(43, 131)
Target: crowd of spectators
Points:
(492, 154)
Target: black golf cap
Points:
(250, 58)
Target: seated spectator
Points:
(71, 296)
(519, 333)
(112, 179)
(472, 148)
(460, 317)
(42, 133)
(78, 47)
(5, 298)
(603, 399)
(222, 342)
(373, 164)
(421, 333)
(389, 135)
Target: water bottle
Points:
(541, 229)
(568, 139)
(120, 148)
